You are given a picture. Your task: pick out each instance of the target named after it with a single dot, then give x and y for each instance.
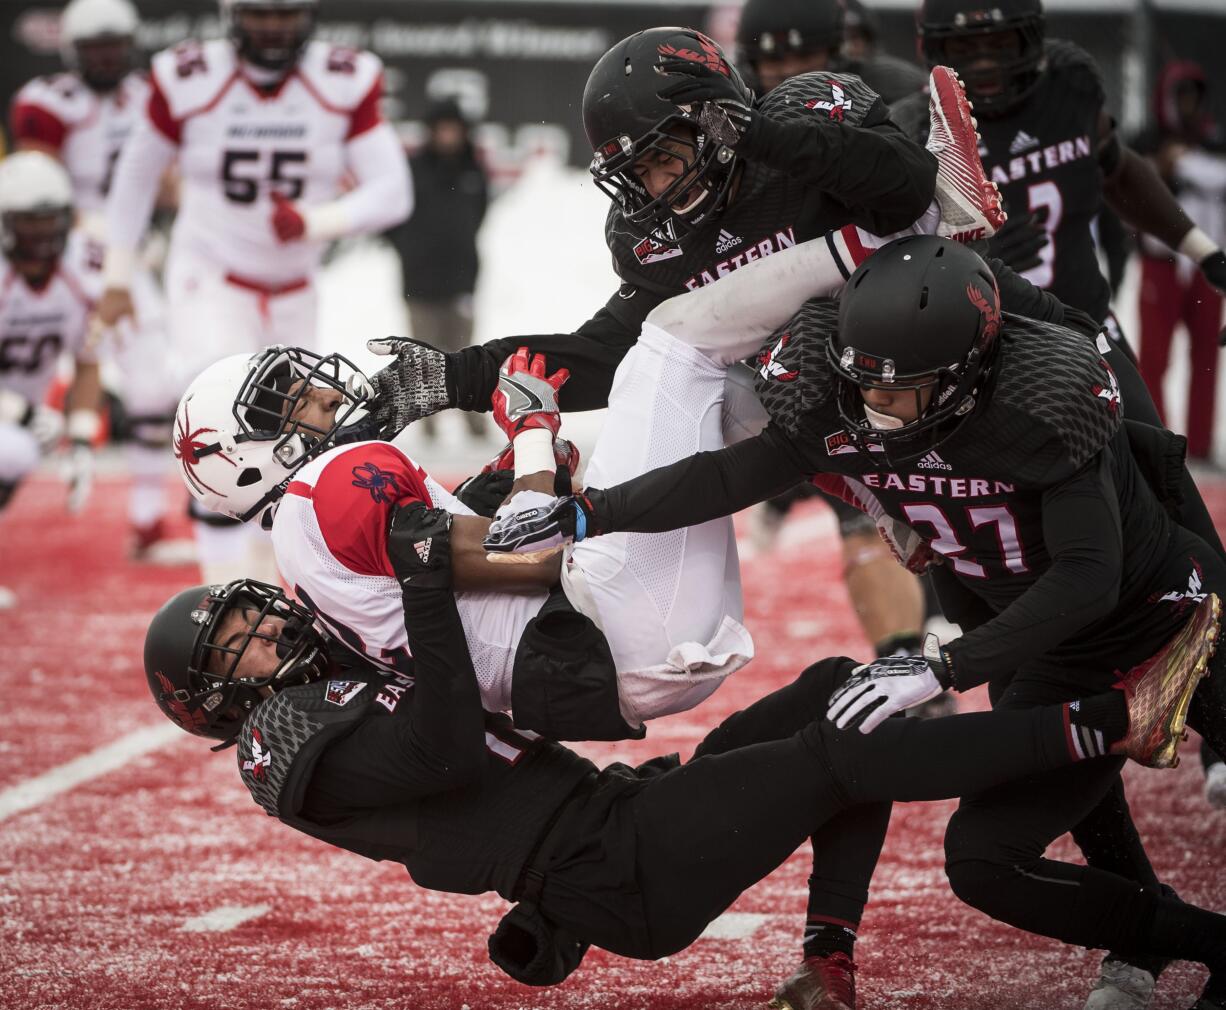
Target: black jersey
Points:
(1029, 501)
(823, 154)
(1044, 156)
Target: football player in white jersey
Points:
(267, 126)
(49, 279)
(83, 116)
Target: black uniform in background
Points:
(637, 861)
(1045, 520)
(819, 161)
(1046, 156)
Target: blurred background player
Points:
(778, 39)
(48, 282)
(266, 125)
(1187, 150)
(83, 116)
(437, 246)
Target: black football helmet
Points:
(192, 676)
(625, 121)
(771, 29)
(271, 47)
(921, 314)
(995, 83)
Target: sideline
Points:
(36, 791)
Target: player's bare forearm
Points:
(85, 393)
(1137, 194)
(470, 566)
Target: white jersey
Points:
(37, 326)
(330, 537)
(85, 130)
(238, 145)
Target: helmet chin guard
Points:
(244, 427)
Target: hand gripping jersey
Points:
(1043, 155)
(237, 143)
(466, 840)
(84, 129)
(769, 210)
(36, 326)
(330, 537)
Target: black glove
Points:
(1020, 242)
(413, 386)
(1213, 267)
(484, 492)
(724, 114)
(419, 546)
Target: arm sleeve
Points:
(592, 353)
(145, 157)
(1021, 298)
(885, 179)
(433, 742)
(702, 487)
(384, 193)
(1081, 527)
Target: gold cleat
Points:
(1160, 690)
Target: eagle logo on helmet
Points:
(990, 312)
(181, 714)
(187, 451)
(708, 54)
(260, 758)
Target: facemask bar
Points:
(1018, 75)
(708, 175)
(279, 380)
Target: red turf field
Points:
(160, 884)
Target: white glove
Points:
(877, 690)
(78, 470)
(47, 426)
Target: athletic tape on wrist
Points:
(83, 425)
(1197, 246)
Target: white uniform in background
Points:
(36, 327)
(231, 284)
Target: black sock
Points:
(823, 938)
(1183, 931)
(905, 643)
(1094, 724)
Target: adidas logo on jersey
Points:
(933, 462)
(1022, 142)
(726, 241)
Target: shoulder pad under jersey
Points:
(339, 75)
(191, 74)
(792, 377)
(839, 98)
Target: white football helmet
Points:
(272, 48)
(92, 19)
(249, 422)
(34, 185)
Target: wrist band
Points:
(83, 426)
(1197, 246)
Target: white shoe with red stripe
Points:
(970, 203)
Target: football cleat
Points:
(971, 205)
(1160, 689)
(1215, 785)
(1121, 986)
(820, 983)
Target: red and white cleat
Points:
(970, 203)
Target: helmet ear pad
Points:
(922, 312)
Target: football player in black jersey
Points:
(778, 39)
(998, 444)
(411, 769)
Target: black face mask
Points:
(37, 237)
(105, 61)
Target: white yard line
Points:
(223, 919)
(36, 791)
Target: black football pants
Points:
(706, 831)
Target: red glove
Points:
(526, 397)
(286, 221)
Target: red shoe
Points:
(1160, 689)
(820, 983)
(970, 203)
